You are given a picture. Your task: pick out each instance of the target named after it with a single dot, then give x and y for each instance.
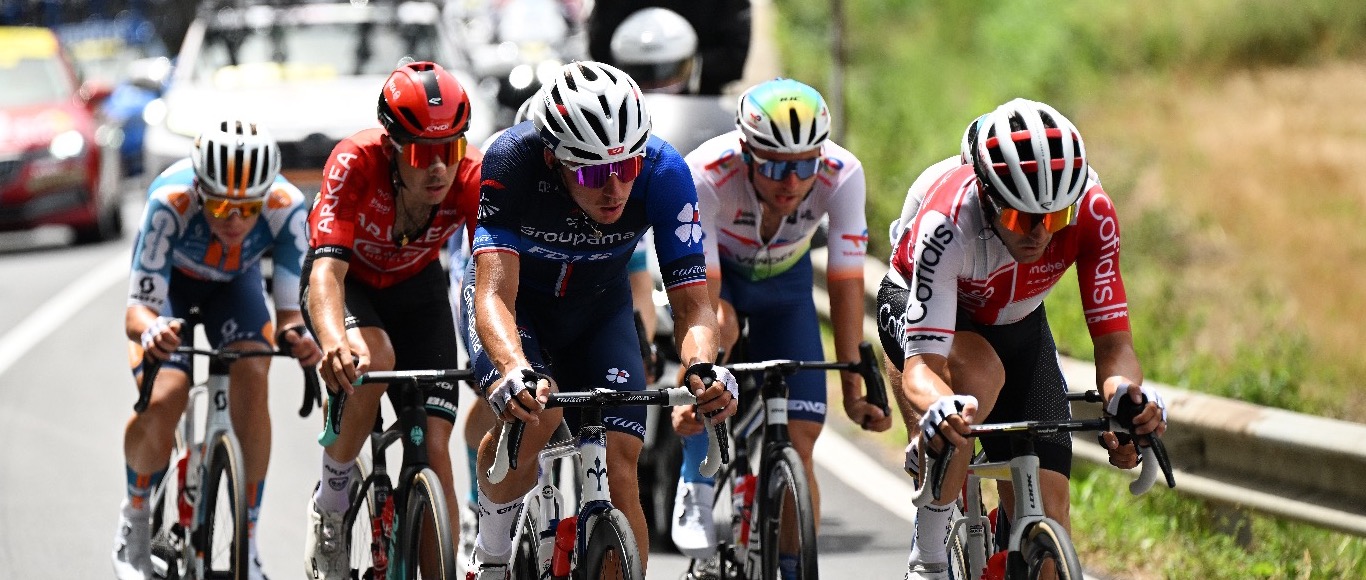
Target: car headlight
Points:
(67, 145)
(154, 113)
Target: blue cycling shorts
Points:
(783, 325)
(582, 342)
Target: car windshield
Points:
(33, 81)
(298, 51)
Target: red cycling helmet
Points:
(423, 103)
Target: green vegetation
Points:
(1205, 315)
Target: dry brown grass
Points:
(1268, 167)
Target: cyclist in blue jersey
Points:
(209, 219)
(564, 200)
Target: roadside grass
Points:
(1230, 134)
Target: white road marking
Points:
(67, 303)
(863, 473)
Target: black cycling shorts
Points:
(1034, 390)
(416, 314)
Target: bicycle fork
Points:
(217, 422)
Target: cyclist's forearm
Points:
(326, 307)
(1116, 362)
(922, 382)
(846, 316)
(495, 293)
(694, 313)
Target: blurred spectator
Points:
(722, 27)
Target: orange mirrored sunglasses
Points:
(422, 155)
(1024, 222)
(220, 208)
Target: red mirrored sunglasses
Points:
(422, 155)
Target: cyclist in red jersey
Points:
(375, 293)
(961, 312)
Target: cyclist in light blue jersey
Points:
(208, 221)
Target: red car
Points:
(59, 161)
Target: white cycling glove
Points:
(149, 336)
(1112, 407)
(913, 458)
(512, 384)
(942, 409)
(715, 372)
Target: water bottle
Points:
(742, 496)
(545, 546)
(187, 484)
(564, 547)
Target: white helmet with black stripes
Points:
(236, 159)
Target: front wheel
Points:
(612, 552)
(787, 522)
(1048, 547)
(424, 546)
(222, 525)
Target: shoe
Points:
(254, 571)
(489, 572)
(708, 569)
(469, 529)
(132, 554)
(693, 532)
(927, 571)
(325, 547)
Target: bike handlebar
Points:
(509, 442)
(935, 466)
(337, 401)
(151, 366)
(867, 367)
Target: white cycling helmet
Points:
(658, 48)
(592, 113)
(1009, 147)
(783, 116)
(236, 159)
(970, 133)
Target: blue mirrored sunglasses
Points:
(779, 170)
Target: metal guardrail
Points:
(1287, 464)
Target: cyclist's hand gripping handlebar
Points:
(873, 382)
(510, 440)
(1154, 453)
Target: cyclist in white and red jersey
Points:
(961, 311)
(209, 219)
(762, 190)
(375, 293)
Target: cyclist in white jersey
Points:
(961, 311)
(208, 221)
(762, 191)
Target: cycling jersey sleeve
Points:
(939, 250)
(848, 237)
(503, 191)
(672, 209)
(286, 212)
(915, 195)
(709, 206)
(1102, 290)
(163, 222)
(331, 223)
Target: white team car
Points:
(311, 73)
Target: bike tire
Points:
(611, 552)
(526, 560)
(167, 544)
(222, 537)
(366, 544)
(1047, 541)
(784, 480)
(426, 504)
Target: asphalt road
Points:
(65, 395)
